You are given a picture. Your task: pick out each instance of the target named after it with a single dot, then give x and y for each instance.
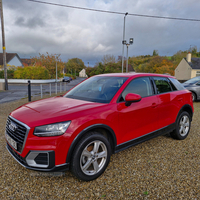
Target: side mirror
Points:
(131, 98)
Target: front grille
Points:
(18, 133)
(20, 159)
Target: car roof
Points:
(135, 74)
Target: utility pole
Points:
(3, 47)
(56, 57)
(127, 44)
(56, 77)
(127, 58)
(123, 42)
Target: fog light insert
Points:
(38, 159)
(42, 159)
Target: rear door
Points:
(141, 117)
(170, 100)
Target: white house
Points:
(82, 73)
(188, 68)
(12, 59)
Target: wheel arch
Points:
(186, 108)
(100, 128)
(195, 93)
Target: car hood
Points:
(51, 110)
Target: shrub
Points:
(32, 72)
(10, 73)
(72, 76)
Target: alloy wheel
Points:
(184, 125)
(93, 157)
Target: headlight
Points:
(52, 129)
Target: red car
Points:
(101, 116)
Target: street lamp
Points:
(127, 44)
(56, 71)
(56, 57)
(123, 42)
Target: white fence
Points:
(32, 81)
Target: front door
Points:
(141, 117)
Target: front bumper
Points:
(38, 160)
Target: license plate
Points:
(11, 141)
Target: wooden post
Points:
(3, 46)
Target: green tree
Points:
(49, 62)
(74, 64)
(157, 64)
(177, 57)
(155, 52)
(108, 59)
(10, 73)
(32, 72)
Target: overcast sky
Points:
(32, 28)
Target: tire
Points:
(183, 124)
(194, 97)
(90, 157)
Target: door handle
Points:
(180, 99)
(154, 105)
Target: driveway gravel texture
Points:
(161, 168)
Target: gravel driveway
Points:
(161, 168)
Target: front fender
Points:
(84, 132)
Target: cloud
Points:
(32, 28)
(31, 23)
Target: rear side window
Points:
(141, 86)
(162, 85)
(177, 84)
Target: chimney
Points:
(188, 57)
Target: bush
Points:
(31, 72)
(72, 76)
(10, 73)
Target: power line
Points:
(113, 12)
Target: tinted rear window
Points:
(162, 85)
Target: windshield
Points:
(193, 80)
(97, 89)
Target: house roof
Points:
(195, 64)
(9, 57)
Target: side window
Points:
(141, 86)
(172, 86)
(177, 84)
(162, 85)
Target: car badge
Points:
(12, 126)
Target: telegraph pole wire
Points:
(115, 12)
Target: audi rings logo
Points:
(12, 126)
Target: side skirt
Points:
(146, 137)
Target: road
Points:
(19, 91)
